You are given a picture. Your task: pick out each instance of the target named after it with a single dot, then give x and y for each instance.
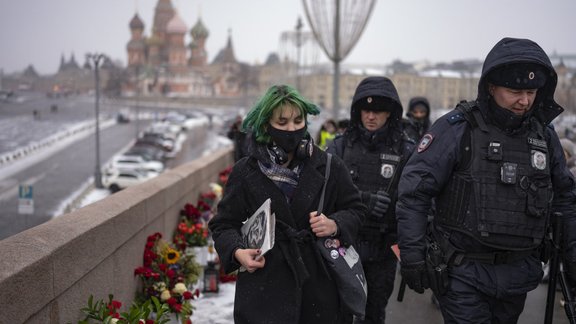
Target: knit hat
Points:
(518, 76)
(376, 103)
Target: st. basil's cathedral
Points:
(162, 64)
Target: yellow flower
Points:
(171, 256)
(179, 288)
(165, 295)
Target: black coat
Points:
(431, 166)
(273, 294)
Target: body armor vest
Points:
(502, 198)
(373, 171)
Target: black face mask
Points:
(506, 119)
(287, 140)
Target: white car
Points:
(118, 179)
(136, 162)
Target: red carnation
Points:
(191, 211)
(202, 206)
(187, 295)
(116, 304)
(171, 301)
(170, 273)
(155, 236)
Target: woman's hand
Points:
(250, 259)
(321, 225)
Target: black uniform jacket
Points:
(431, 165)
(273, 294)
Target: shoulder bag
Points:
(344, 265)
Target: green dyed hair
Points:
(276, 96)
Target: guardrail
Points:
(48, 272)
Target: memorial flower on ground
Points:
(165, 274)
(149, 312)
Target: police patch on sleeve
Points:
(425, 142)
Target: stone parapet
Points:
(48, 272)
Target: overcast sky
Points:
(38, 32)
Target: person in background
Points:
(497, 172)
(375, 149)
(327, 133)
(417, 119)
(569, 149)
(290, 283)
(238, 137)
(342, 126)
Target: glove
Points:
(379, 203)
(414, 274)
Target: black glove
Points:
(379, 203)
(414, 274)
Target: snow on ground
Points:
(215, 308)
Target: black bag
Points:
(344, 265)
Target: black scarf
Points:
(505, 119)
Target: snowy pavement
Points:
(215, 308)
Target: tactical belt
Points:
(503, 257)
(455, 256)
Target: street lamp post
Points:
(137, 100)
(96, 58)
(299, 51)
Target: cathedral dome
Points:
(176, 25)
(199, 30)
(136, 23)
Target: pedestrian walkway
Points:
(415, 309)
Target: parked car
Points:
(148, 152)
(157, 139)
(136, 162)
(118, 179)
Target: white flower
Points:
(160, 286)
(165, 295)
(179, 288)
(217, 189)
(114, 321)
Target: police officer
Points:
(417, 119)
(374, 150)
(496, 169)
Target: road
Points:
(56, 177)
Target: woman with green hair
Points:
(289, 284)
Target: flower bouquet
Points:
(166, 274)
(149, 312)
(192, 229)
